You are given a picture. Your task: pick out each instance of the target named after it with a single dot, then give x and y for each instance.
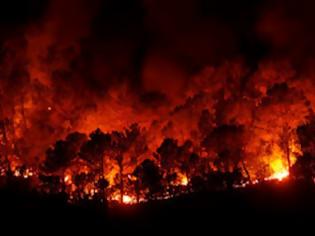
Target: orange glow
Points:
(280, 175)
(184, 180)
(68, 179)
(28, 173)
(181, 179)
(67, 109)
(280, 171)
(127, 199)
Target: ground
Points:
(281, 206)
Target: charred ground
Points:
(273, 206)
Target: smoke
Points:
(80, 65)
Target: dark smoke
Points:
(79, 65)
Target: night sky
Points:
(181, 36)
(151, 50)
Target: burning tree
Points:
(174, 159)
(6, 145)
(59, 158)
(278, 115)
(305, 164)
(148, 179)
(227, 143)
(121, 143)
(93, 151)
(63, 152)
(306, 137)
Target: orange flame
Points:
(128, 200)
(280, 171)
(184, 180)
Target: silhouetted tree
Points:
(6, 145)
(63, 152)
(168, 152)
(227, 141)
(234, 177)
(193, 164)
(102, 184)
(149, 178)
(184, 157)
(279, 114)
(94, 149)
(51, 183)
(304, 168)
(139, 147)
(172, 156)
(305, 165)
(121, 142)
(307, 138)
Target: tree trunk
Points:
(137, 190)
(246, 171)
(103, 192)
(5, 146)
(288, 156)
(286, 141)
(121, 184)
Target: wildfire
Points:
(127, 199)
(181, 180)
(280, 172)
(28, 173)
(184, 180)
(68, 179)
(280, 175)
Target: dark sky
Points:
(227, 25)
(145, 39)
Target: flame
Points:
(278, 164)
(280, 171)
(181, 179)
(28, 173)
(184, 180)
(127, 199)
(89, 189)
(280, 175)
(68, 179)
